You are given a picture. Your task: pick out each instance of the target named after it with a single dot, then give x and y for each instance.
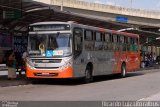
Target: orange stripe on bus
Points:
(66, 73)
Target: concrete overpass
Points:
(89, 13)
(135, 17)
(81, 12)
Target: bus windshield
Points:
(50, 45)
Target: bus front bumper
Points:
(42, 73)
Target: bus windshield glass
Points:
(50, 45)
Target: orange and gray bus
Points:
(72, 50)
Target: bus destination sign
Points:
(53, 27)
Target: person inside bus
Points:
(42, 48)
(52, 43)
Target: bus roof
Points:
(125, 33)
(49, 23)
(87, 27)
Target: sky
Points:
(138, 4)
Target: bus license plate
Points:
(44, 73)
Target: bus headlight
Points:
(30, 64)
(66, 65)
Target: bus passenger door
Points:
(120, 53)
(117, 53)
(131, 54)
(77, 51)
(128, 54)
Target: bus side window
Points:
(128, 43)
(98, 36)
(88, 36)
(131, 48)
(118, 45)
(98, 41)
(115, 42)
(137, 40)
(106, 37)
(111, 42)
(122, 43)
(77, 35)
(106, 41)
(135, 45)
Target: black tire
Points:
(88, 75)
(123, 71)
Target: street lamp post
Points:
(61, 5)
(131, 3)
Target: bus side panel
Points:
(133, 61)
(103, 63)
(117, 64)
(109, 62)
(79, 65)
(138, 61)
(98, 62)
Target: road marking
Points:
(142, 99)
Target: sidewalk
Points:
(4, 82)
(157, 66)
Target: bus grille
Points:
(46, 74)
(47, 67)
(47, 60)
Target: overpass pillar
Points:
(157, 51)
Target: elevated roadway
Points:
(107, 16)
(108, 12)
(143, 22)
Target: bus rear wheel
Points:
(88, 75)
(123, 71)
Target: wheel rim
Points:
(88, 76)
(123, 71)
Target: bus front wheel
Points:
(88, 75)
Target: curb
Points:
(4, 82)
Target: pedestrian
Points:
(154, 58)
(24, 60)
(24, 55)
(142, 60)
(146, 59)
(12, 64)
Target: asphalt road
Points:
(135, 87)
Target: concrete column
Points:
(153, 49)
(149, 49)
(158, 48)
(157, 51)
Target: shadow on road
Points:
(71, 82)
(115, 76)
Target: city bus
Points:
(73, 50)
